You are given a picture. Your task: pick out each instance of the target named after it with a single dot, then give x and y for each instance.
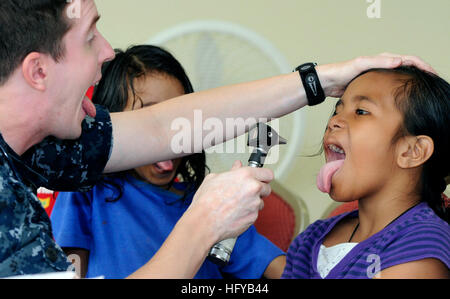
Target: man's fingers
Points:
(409, 60)
(390, 60)
(262, 174)
(265, 190)
(261, 205)
(379, 61)
(419, 63)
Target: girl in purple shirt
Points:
(387, 146)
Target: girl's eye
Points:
(361, 112)
(336, 112)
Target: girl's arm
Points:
(422, 269)
(275, 268)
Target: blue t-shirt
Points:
(122, 236)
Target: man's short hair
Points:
(28, 26)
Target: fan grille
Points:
(217, 54)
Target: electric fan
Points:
(217, 54)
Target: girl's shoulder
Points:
(420, 222)
(422, 219)
(420, 235)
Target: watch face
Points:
(310, 78)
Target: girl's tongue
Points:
(326, 174)
(165, 166)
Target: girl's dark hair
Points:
(113, 92)
(424, 100)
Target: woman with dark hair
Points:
(125, 86)
(119, 225)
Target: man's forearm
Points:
(149, 130)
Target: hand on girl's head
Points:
(342, 73)
(409, 60)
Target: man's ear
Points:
(414, 151)
(34, 69)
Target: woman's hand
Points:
(335, 77)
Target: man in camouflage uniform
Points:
(25, 231)
(50, 54)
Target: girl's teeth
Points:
(336, 149)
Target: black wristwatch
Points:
(311, 83)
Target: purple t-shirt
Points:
(416, 235)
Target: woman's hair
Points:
(424, 100)
(117, 84)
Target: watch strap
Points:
(311, 83)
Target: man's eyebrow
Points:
(93, 22)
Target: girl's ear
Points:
(414, 151)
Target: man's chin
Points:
(69, 135)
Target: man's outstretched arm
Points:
(145, 136)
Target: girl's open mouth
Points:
(335, 155)
(164, 167)
(335, 152)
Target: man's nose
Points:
(107, 53)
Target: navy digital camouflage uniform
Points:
(26, 240)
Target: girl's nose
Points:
(336, 122)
